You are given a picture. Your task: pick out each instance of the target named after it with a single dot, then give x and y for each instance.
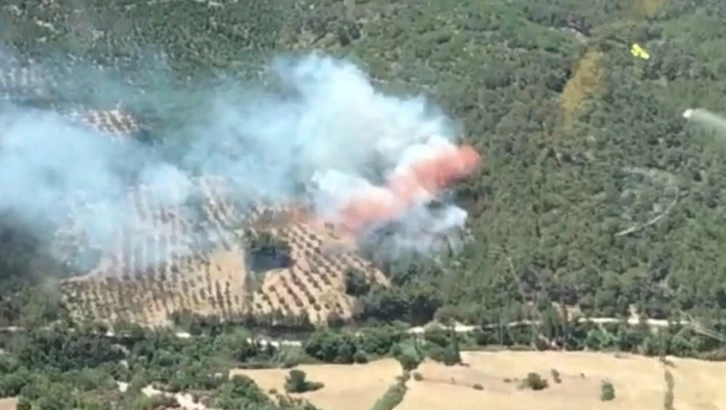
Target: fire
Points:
(425, 177)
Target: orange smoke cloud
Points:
(426, 177)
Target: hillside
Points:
(145, 275)
(581, 140)
(596, 199)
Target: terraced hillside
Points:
(115, 123)
(166, 261)
(191, 256)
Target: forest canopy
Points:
(581, 140)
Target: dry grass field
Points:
(349, 387)
(639, 383)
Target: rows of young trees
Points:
(582, 142)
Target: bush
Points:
(356, 283)
(162, 401)
(449, 355)
(607, 391)
(417, 376)
(534, 382)
(296, 382)
(392, 398)
(556, 376)
(23, 404)
(478, 386)
(360, 357)
(408, 361)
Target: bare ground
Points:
(8, 403)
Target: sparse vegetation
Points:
(393, 396)
(607, 391)
(669, 394)
(534, 381)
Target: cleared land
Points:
(8, 404)
(639, 383)
(349, 387)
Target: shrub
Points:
(607, 391)
(535, 382)
(478, 386)
(360, 357)
(392, 398)
(417, 376)
(408, 361)
(296, 382)
(23, 404)
(556, 376)
(356, 283)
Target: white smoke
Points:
(330, 127)
(706, 119)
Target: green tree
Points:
(296, 382)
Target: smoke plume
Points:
(706, 119)
(323, 134)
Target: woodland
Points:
(583, 145)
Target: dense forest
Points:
(583, 144)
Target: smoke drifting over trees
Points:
(326, 126)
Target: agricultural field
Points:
(211, 276)
(355, 387)
(218, 282)
(191, 256)
(494, 380)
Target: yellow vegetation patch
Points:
(639, 382)
(347, 387)
(647, 8)
(586, 82)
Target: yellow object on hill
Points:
(637, 51)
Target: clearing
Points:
(349, 387)
(8, 403)
(639, 382)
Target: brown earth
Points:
(639, 383)
(8, 403)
